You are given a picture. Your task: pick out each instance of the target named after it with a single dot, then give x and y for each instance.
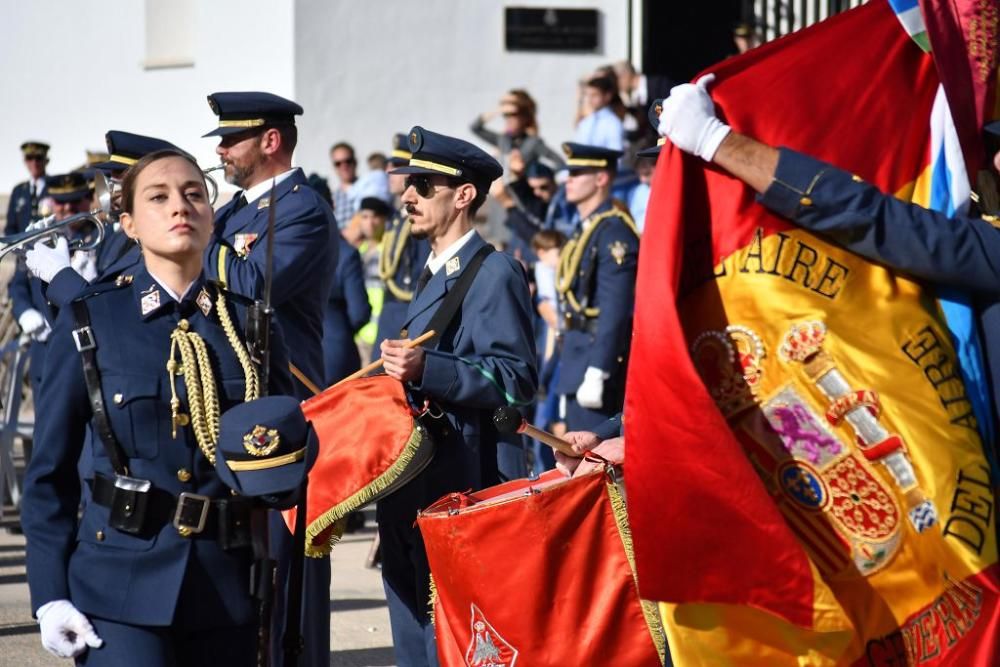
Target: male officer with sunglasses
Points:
(484, 357)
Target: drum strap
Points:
(86, 344)
(444, 315)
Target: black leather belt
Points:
(193, 515)
(581, 323)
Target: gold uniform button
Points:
(118, 398)
(100, 536)
(184, 475)
(856, 178)
(806, 201)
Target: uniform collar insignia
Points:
(204, 301)
(123, 279)
(150, 300)
(452, 265)
(263, 202)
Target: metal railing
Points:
(774, 18)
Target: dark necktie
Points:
(34, 199)
(241, 201)
(425, 277)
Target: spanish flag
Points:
(806, 478)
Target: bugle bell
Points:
(49, 226)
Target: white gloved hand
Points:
(31, 321)
(45, 262)
(33, 324)
(591, 391)
(688, 119)
(66, 633)
(84, 262)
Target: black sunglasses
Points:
(422, 184)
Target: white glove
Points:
(688, 119)
(66, 633)
(84, 262)
(31, 321)
(45, 262)
(591, 390)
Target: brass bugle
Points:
(213, 187)
(48, 227)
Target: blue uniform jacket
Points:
(962, 253)
(412, 257)
(610, 262)
(485, 359)
(27, 292)
(347, 310)
(305, 256)
(19, 208)
(115, 254)
(105, 572)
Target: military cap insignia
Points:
(452, 265)
(261, 441)
(618, 252)
(213, 105)
(242, 243)
(150, 301)
(204, 301)
(123, 279)
(396, 143)
(416, 140)
(263, 202)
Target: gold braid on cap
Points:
(196, 367)
(572, 255)
(393, 243)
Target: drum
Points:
(538, 572)
(371, 443)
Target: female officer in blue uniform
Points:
(155, 570)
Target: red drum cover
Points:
(538, 573)
(369, 445)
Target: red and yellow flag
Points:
(805, 478)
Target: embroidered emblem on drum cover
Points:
(487, 648)
(261, 441)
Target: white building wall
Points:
(73, 69)
(365, 70)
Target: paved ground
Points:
(359, 621)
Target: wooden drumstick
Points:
(375, 365)
(508, 420)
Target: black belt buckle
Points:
(191, 513)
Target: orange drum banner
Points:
(370, 444)
(806, 480)
(537, 573)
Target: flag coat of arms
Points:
(806, 477)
